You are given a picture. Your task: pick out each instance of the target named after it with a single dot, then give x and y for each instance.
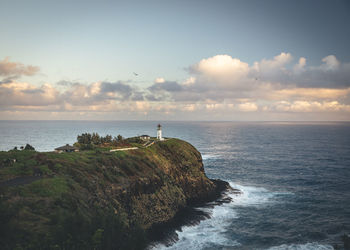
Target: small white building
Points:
(159, 133)
(145, 137)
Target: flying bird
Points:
(135, 74)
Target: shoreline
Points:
(165, 233)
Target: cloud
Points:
(159, 80)
(169, 86)
(330, 63)
(215, 87)
(100, 93)
(221, 67)
(189, 81)
(300, 66)
(19, 93)
(309, 93)
(12, 70)
(314, 106)
(222, 79)
(248, 107)
(271, 66)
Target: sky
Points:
(175, 60)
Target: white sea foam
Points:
(212, 232)
(254, 196)
(250, 196)
(209, 156)
(207, 232)
(307, 246)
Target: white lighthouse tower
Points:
(159, 133)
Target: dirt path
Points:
(123, 149)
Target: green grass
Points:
(48, 187)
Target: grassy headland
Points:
(97, 199)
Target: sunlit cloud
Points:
(159, 80)
(248, 107)
(216, 86)
(13, 70)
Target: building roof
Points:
(66, 147)
(144, 136)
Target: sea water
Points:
(294, 177)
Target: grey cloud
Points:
(32, 91)
(67, 83)
(123, 91)
(81, 94)
(167, 86)
(153, 98)
(137, 96)
(7, 80)
(319, 77)
(115, 87)
(312, 77)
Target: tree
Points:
(95, 138)
(115, 141)
(108, 139)
(84, 138)
(119, 138)
(29, 147)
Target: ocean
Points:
(294, 177)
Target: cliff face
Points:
(97, 199)
(175, 179)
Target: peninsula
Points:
(99, 198)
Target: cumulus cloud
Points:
(12, 70)
(330, 63)
(300, 66)
(19, 93)
(274, 65)
(221, 67)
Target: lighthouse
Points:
(159, 133)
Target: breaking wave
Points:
(212, 232)
(209, 156)
(307, 246)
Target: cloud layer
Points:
(217, 87)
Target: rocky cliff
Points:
(98, 199)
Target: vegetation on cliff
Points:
(96, 199)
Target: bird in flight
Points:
(135, 74)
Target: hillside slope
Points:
(97, 199)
